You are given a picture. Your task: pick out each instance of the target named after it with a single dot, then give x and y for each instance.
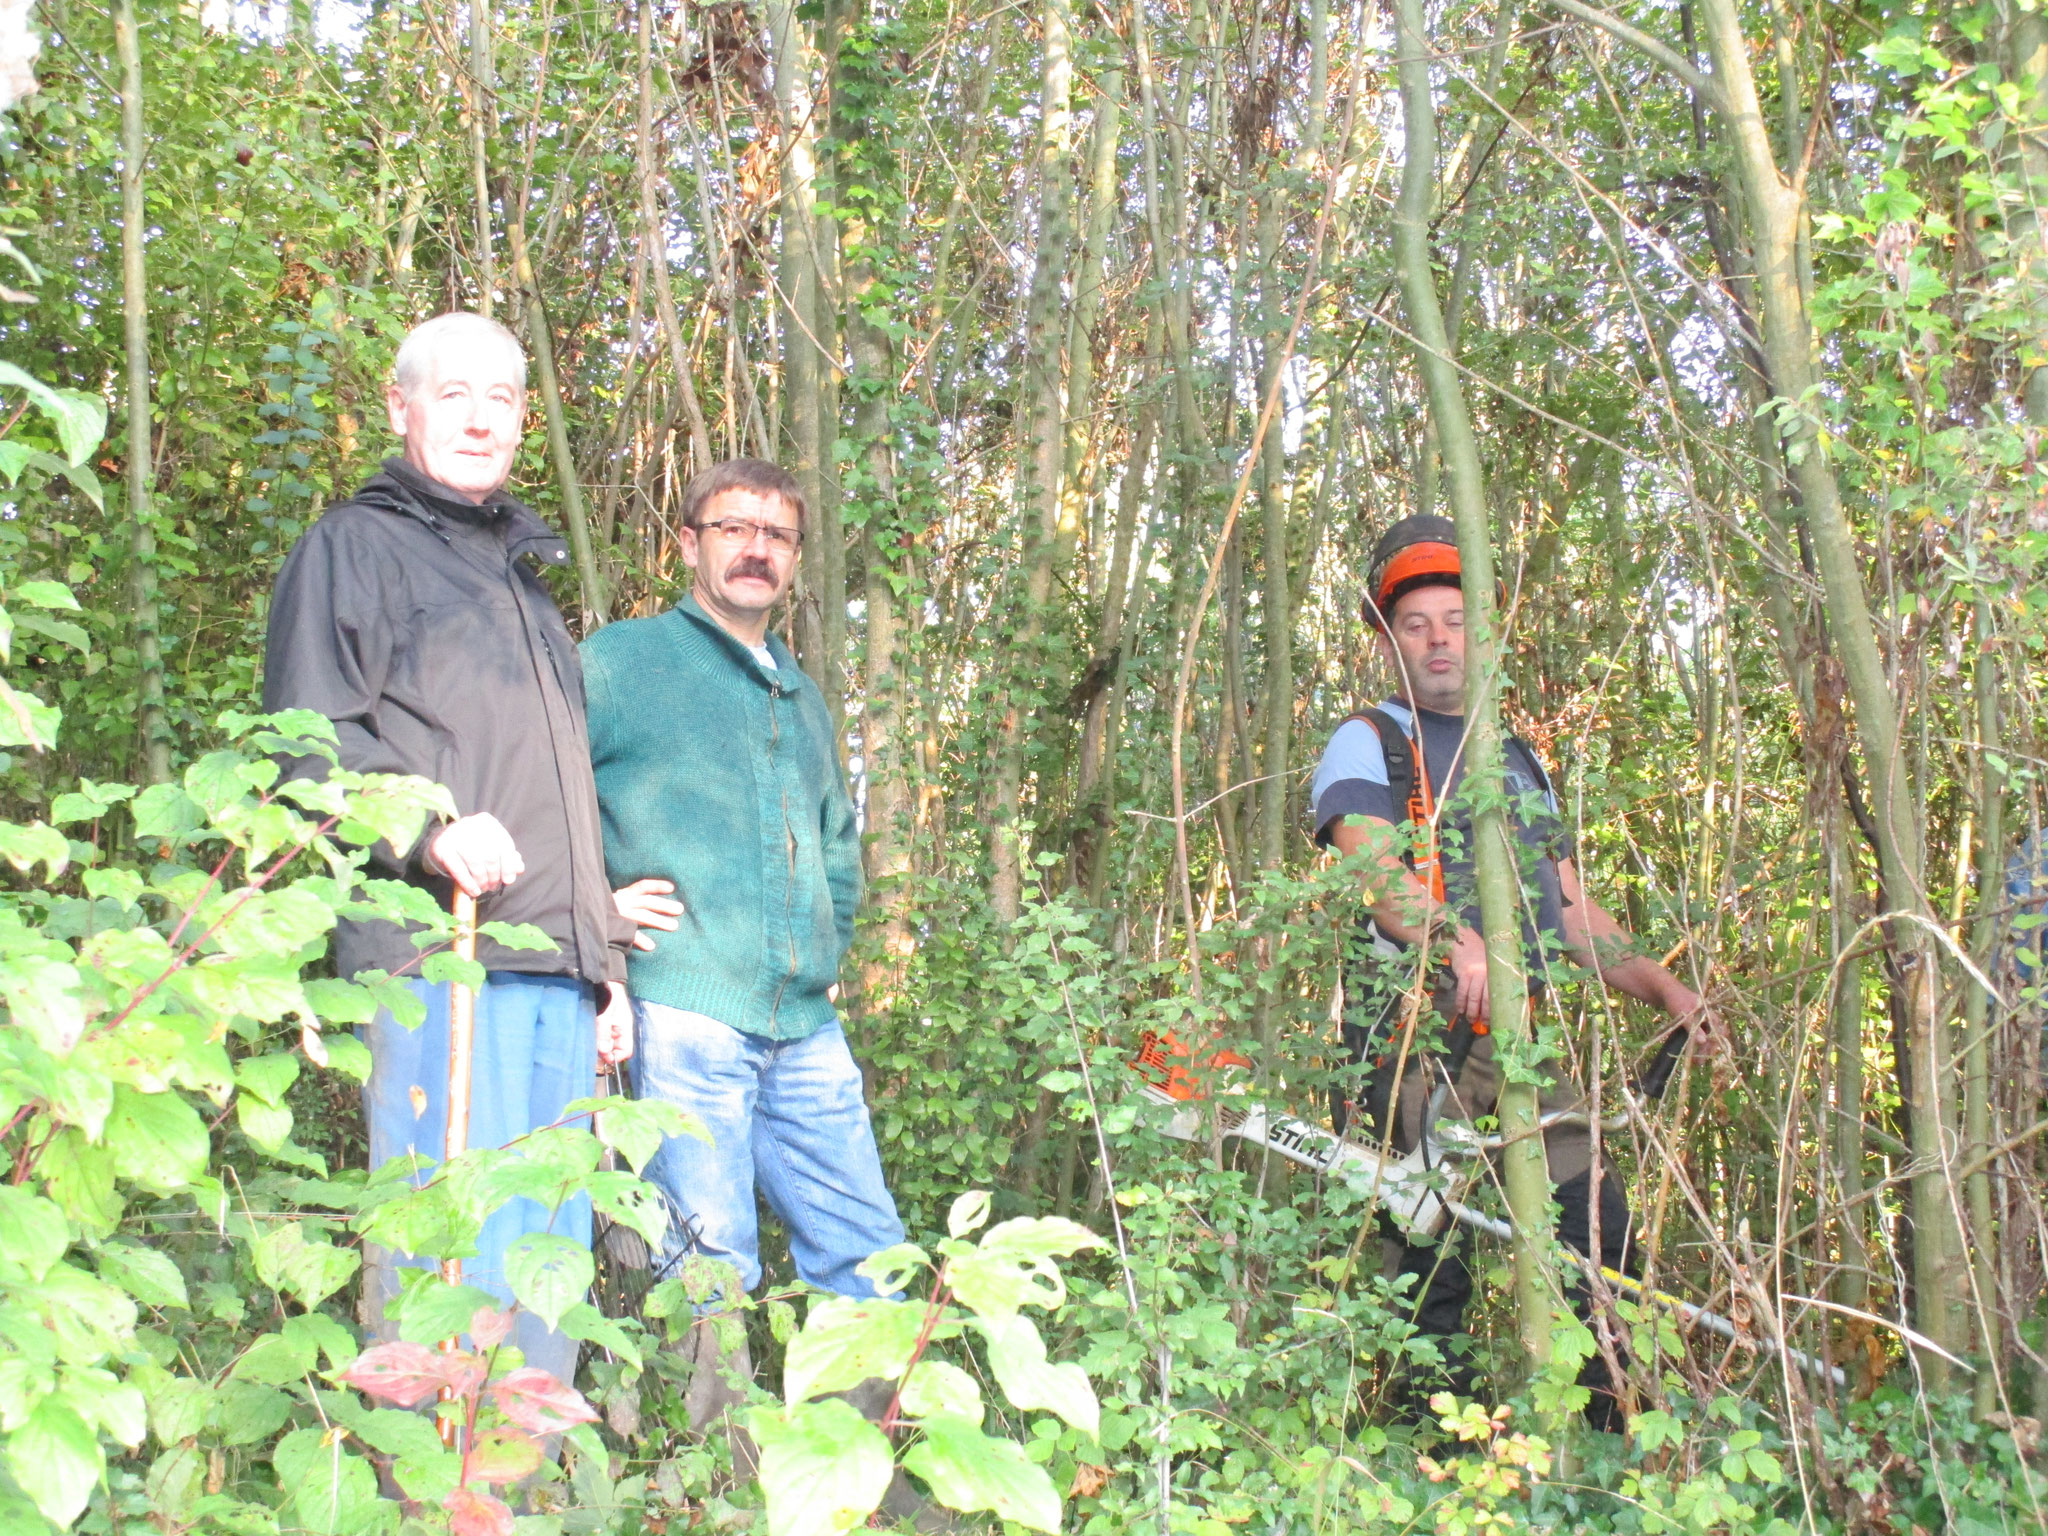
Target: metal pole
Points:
(461, 1051)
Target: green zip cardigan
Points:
(721, 775)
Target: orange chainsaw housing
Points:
(1166, 1062)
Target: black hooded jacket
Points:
(409, 617)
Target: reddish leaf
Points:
(503, 1456)
(399, 1373)
(476, 1514)
(534, 1400)
(487, 1330)
(407, 1374)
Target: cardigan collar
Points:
(787, 677)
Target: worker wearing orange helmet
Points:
(1390, 792)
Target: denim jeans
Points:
(786, 1120)
(536, 1050)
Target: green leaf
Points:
(935, 1387)
(246, 1412)
(56, 1458)
(268, 1126)
(158, 1140)
(276, 1359)
(585, 1322)
(517, 935)
(43, 997)
(33, 1231)
(432, 1310)
(845, 1341)
(309, 1271)
(548, 1273)
(269, 1078)
(150, 1277)
(1013, 1265)
(346, 1054)
(1656, 1429)
(332, 1491)
(968, 1470)
(636, 1128)
(824, 1468)
(1016, 1354)
(969, 1212)
(80, 418)
(37, 843)
(165, 810)
(630, 1201)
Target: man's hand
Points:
(648, 903)
(1697, 1017)
(1468, 967)
(614, 1026)
(477, 853)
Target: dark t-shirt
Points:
(1352, 780)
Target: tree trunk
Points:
(1524, 1171)
(796, 284)
(483, 94)
(1774, 205)
(1041, 455)
(149, 662)
(654, 250)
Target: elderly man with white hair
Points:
(411, 615)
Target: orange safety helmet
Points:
(1418, 551)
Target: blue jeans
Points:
(786, 1119)
(536, 1050)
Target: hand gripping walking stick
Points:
(461, 1053)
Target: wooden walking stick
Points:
(461, 1051)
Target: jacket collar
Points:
(403, 489)
(787, 676)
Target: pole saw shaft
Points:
(461, 1059)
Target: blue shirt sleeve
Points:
(1351, 780)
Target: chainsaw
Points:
(1418, 1190)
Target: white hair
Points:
(427, 338)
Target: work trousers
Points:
(535, 1052)
(1396, 1097)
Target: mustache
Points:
(750, 566)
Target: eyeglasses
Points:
(741, 530)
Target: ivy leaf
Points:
(968, 1470)
(845, 1341)
(535, 1400)
(824, 1468)
(1016, 1354)
(548, 1273)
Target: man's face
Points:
(1427, 648)
(742, 569)
(461, 420)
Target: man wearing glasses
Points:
(723, 803)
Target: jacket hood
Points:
(402, 489)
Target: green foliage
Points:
(825, 1469)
